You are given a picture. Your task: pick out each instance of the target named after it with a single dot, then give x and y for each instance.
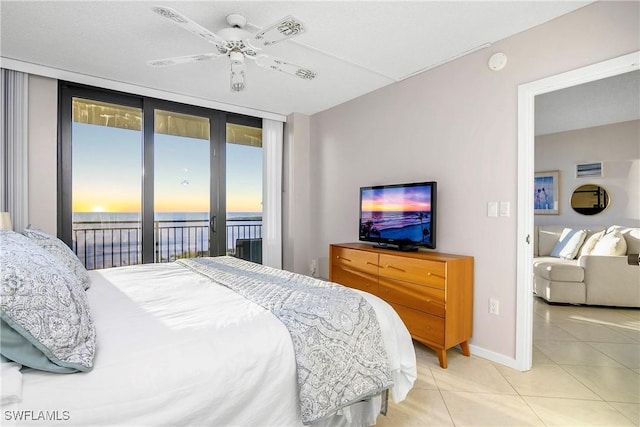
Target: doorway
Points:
(526, 150)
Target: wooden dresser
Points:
(432, 292)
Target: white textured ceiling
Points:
(355, 47)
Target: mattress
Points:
(176, 349)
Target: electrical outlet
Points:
(494, 306)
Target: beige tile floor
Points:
(586, 372)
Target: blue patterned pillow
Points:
(45, 319)
(569, 243)
(61, 251)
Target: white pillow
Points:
(569, 243)
(590, 243)
(11, 390)
(611, 244)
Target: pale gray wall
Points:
(42, 140)
(456, 124)
(295, 195)
(618, 147)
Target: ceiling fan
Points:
(237, 44)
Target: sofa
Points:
(587, 265)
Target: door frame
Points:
(526, 154)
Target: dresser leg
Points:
(464, 346)
(442, 358)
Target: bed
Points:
(174, 347)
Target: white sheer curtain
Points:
(272, 145)
(14, 92)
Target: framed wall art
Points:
(589, 170)
(546, 195)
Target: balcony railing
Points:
(100, 244)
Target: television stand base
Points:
(401, 248)
(404, 248)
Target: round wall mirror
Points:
(589, 199)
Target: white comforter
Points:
(174, 349)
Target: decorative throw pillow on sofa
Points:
(60, 250)
(590, 243)
(611, 244)
(569, 243)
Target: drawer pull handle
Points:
(395, 268)
(346, 259)
(372, 263)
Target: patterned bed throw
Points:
(337, 340)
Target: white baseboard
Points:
(494, 357)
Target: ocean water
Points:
(400, 225)
(104, 240)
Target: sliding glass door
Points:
(140, 180)
(244, 159)
(106, 178)
(182, 185)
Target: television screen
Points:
(403, 215)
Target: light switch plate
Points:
(505, 209)
(492, 209)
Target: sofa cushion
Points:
(555, 270)
(631, 236)
(569, 243)
(590, 243)
(547, 237)
(611, 244)
(564, 292)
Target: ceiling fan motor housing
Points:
(236, 57)
(236, 20)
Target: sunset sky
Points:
(107, 172)
(393, 199)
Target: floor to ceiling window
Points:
(182, 185)
(144, 180)
(106, 178)
(244, 158)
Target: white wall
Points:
(456, 124)
(618, 147)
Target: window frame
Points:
(217, 122)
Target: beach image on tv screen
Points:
(401, 214)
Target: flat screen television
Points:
(402, 216)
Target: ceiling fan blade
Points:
(286, 67)
(282, 30)
(191, 26)
(183, 59)
(238, 68)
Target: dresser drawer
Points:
(355, 260)
(422, 326)
(420, 271)
(423, 298)
(355, 279)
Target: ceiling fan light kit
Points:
(236, 43)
